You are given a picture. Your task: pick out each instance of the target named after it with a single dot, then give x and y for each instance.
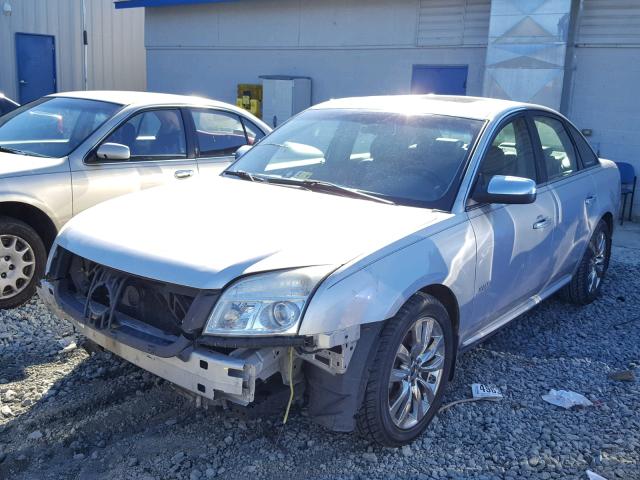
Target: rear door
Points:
(218, 134)
(161, 152)
(573, 191)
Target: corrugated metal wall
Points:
(453, 22)
(609, 22)
(117, 57)
(603, 92)
(116, 43)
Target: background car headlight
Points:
(265, 304)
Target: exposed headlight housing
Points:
(265, 304)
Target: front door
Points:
(514, 242)
(36, 58)
(438, 79)
(160, 154)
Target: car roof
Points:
(142, 98)
(480, 108)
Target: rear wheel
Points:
(22, 262)
(409, 373)
(586, 283)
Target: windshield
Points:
(407, 159)
(53, 126)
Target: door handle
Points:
(589, 200)
(542, 223)
(22, 82)
(180, 174)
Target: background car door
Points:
(218, 135)
(160, 150)
(513, 241)
(573, 189)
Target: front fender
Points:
(50, 193)
(377, 291)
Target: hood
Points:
(14, 165)
(205, 233)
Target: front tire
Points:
(586, 283)
(409, 373)
(22, 262)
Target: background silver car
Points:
(66, 152)
(368, 242)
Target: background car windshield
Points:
(408, 159)
(53, 127)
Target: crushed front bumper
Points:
(204, 372)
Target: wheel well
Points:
(448, 299)
(608, 217)
(34, 217)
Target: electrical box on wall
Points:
(283, 97)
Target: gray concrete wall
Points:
(603, 67)
(348, 47)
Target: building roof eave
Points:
(162, 3)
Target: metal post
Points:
(85, 47)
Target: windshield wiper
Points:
(22, 152)
(322, 186)
(244, 175)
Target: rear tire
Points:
(22, 262)
(586, 283)
(408, 376)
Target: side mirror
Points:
(113, 151)
(242, 150)
(505, 189)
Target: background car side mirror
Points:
(113, 151)
(505, 189)
(242, 150)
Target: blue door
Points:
(441, 80)
(36, 57)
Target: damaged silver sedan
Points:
(346, 259)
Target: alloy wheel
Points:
(416, 373)
(597, 263)
(17, 265)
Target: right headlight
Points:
(265, 304)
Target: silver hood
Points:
(16, 165)
(204, 234)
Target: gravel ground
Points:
(67, 415)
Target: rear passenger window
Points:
(510, 153)
(219, 133)
(557, 150)
(589, 159)
(253, 133)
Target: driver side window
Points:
(152, 135)
(510, 153)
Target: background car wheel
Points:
(22, 262)
(586, 283)
(409, 373)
